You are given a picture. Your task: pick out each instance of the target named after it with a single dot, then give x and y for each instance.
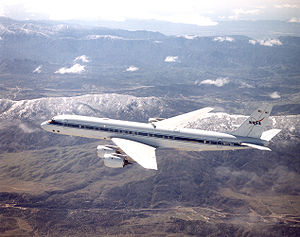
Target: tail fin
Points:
(254, 125)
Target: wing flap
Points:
(143, 154)
(182, 120)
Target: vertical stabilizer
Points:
(254, 125)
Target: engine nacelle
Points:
(153, 120)
(103, 150)
(114, 161)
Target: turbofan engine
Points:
(103, 150)
(111, 156)
(114, 161)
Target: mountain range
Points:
(54, 185)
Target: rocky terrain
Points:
(53, 185)
(240, 192)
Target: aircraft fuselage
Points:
(146, 133)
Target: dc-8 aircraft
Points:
(137, 142)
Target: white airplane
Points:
(137, 142)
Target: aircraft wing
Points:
(263, 148)
(182, 120)
(143, 154)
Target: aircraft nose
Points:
(44, 125)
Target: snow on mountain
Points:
(223, 122)
(5, 30)
(129, 107)
(20, 120)
(102, 105)
(25, 29)
(269, 43)
(112, 37)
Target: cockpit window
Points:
(51, 121)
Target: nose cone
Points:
(45, 125)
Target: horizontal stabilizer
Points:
(263, 148)
(268, 135)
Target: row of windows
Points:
(144, 134)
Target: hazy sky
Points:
(200, 12)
